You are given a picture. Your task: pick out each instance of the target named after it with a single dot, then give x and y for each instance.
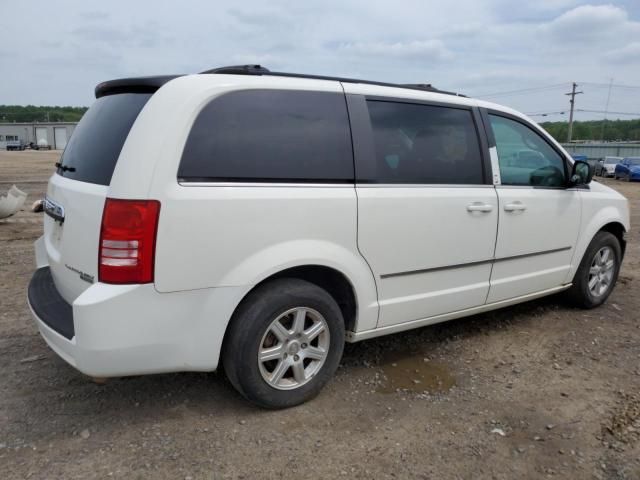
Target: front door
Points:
(539, 218)
(427, 215)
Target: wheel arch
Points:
(334, 281)
(608, 219)
(617, 229)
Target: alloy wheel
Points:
(601, 271)
(294, 348)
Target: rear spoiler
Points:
(132, 85)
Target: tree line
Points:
(32, 113)
(608, 130)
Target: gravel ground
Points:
(537, 390)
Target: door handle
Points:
(515, 207)
(479, 207)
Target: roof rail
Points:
(260, 70)
(240, 70)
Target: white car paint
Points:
(608, 166)
(527, 216)
(408, 259)
(76, 243)
(216, 241)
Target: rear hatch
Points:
(77, 191)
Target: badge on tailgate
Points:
(53, 209)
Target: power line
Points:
(606, 108)
(523, 90)
(607, 85)
(554, 86)
(544, 114)
(608, 112)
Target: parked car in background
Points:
(285, 214)
(628, 169)
(42, 145)
(16, 145)
(607, 166)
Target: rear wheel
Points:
(597, 274)
(284, 343)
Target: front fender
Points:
(594, 218)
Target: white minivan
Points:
(257, 220)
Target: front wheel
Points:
(598, 271)
(284, 343)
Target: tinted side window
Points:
(95, 145)
(270, 135)
(424, 144)
(525, 157)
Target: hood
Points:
(598, 187)
(634, 168)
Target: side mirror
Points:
(581, 174)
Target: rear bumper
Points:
(48, 305)
(118, 330)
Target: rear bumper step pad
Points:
(48, 305)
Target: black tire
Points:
(579, 294)
(249, 325)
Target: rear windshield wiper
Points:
(65, 168)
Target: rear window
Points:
(95, 145)
(270, 136)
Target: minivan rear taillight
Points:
(128, 241)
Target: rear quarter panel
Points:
(239, 234)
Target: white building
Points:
(55, 134)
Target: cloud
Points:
(628, 54)
(94, 15)
(589, 22)
(418, 49)
(470, 46)
(261, 18)
(145, 35)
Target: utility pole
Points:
(606, 109)
(573, 94)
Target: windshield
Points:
(94, 147)
(633, 161)
(612, 161)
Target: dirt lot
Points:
(539, 390)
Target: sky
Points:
(54, 53)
